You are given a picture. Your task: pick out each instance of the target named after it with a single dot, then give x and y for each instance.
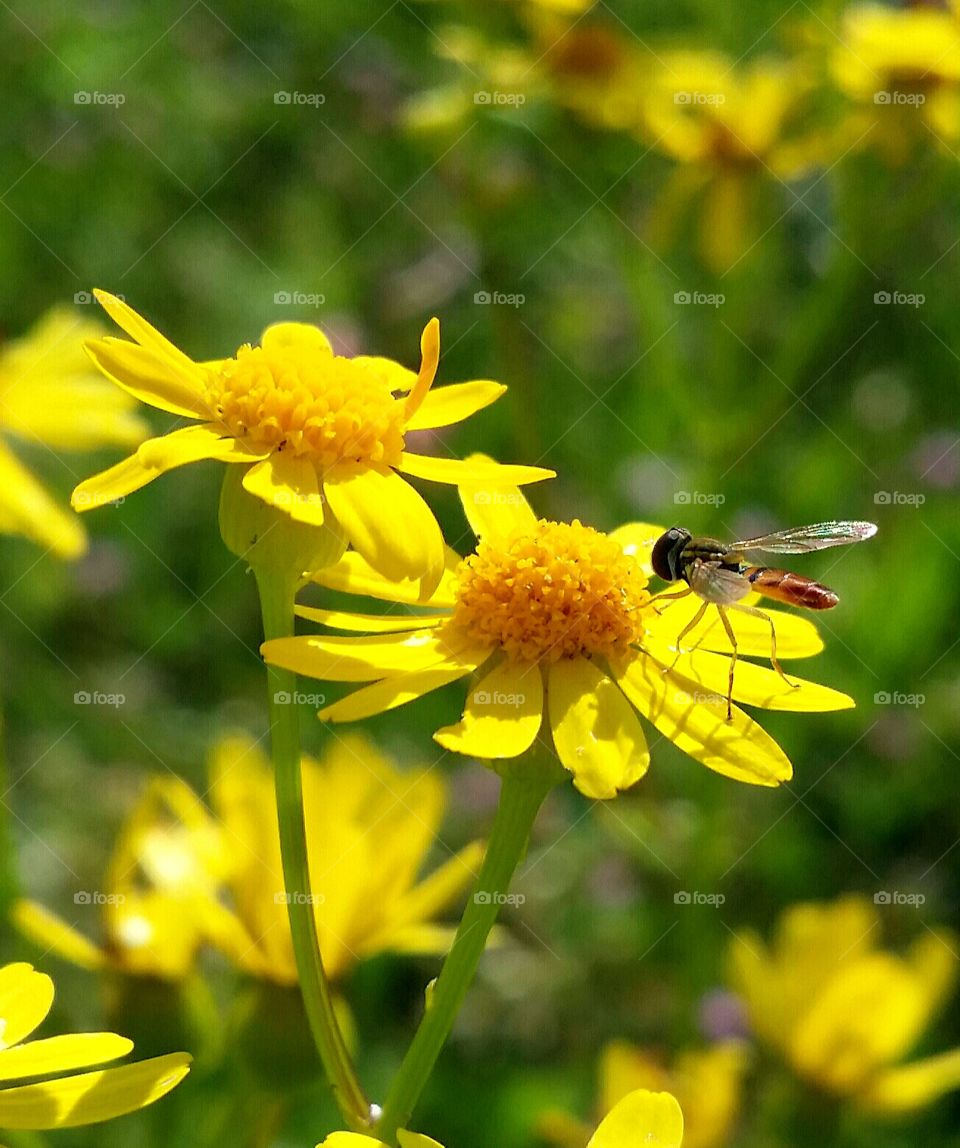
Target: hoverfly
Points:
(720, 575)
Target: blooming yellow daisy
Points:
(50, 397)
(159, 897)
(560, 622)
(369, 829)
(321, 435)
(640, 1120)
(844, 1012)
(68, 1100)
(706, 1082)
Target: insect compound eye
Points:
(660, 557)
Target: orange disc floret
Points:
(560, 590)
(308, 401)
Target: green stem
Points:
(276, 602)
(520, 800)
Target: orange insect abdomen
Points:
(794, 589)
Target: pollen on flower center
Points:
(558, 590)
(306, 400)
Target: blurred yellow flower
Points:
(903, 66)
(843, 1012)
(639, 1120)
(72, 1100)
(369, 828)
(321, 435)
(159, 899)
(50, 397)
(707, 1084)
(733, 128)
(558, 620)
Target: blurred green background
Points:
(203, 201)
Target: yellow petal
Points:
(365, 659)
(92, 1096)
(637, 539)
(429, 361)
(796, 637)
(151, 377)
(351, 1140)
(470, 472)
(53, 935)
(397, 377)
(436, 892)
(62, 1054)
(389, 523)
(596, 732)
(27, 509)
(281, 335)
(147, 336)
(193, 444)
(447, 405)
(288, 483)
(740, 748)
(416, 1140)
(111, 484)
(913, 1086)
(868, 1015)
(353, 574)
(494, 510)
(752, 684)
(393, 692)
(25, 999)
(647, 1119)
(502, 715)
(371, 623)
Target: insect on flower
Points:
(720, 575)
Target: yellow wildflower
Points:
(707, 1084)
(732, 128)
(50, 397)
(843, 1012)
(559, 621)
(160, 888)
(321, 435)
(75, 1099)
(369, 829)
(902, 66)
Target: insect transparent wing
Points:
(714, 584)
(803, 539)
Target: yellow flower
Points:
(159, 900)
(843, 1012)
(706, 1083)
(369, 826)
(732, 128)
(321, 436)
(640, 1120)
(904, 66)
(559, 621)
(50, 397)
(71, 1100)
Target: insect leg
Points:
(754, 612)
(686, 630)
(733, 659)
(668, 597)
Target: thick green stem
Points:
(520, 800)
(276, 602)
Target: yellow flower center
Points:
(306, 400)
(557, 591)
